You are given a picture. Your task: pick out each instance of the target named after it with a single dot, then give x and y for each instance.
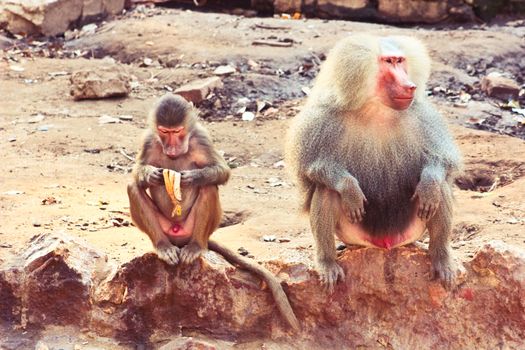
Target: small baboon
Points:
(175, 140)
(373, 159)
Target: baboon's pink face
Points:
(174, 140)
(394, 87)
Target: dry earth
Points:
(83, 165)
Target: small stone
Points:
(36, 119)
(41, 346)
(224, 70)
(44, 127)
(103, 83)
(197, 90)
(88, 29)
(16, 68)
(37, 224)
(242, 251)
(11, 139)
(126, 117)
(498, 86)
(107, 119)
(269, 238)
(147, 62)
(279, 165)
(248, 116)
(13, 193)
(57, 74)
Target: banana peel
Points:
(172, 184)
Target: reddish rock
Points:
(103, 83)
(93, 9)
(287, 6)
(496, 85)
(46, 17)
(414, 11)
(53, 17)
(342, 8)
(197, 90)
(186, 343)
(386, 299)
(51, 282)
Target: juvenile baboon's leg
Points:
(147, 218)
(325, 212)
(207, 214)
(440, 228)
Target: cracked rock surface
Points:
(385, 301)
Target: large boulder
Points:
(103, 83)
(428, 11)
(386, 298)
(46, 17)
(51, 282)
(53, 17)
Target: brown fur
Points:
(203, 169)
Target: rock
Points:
(187, 343)
(197, 90)
(341, 8)
(224, 70)
(248, 116)
(98, 9)
(102, 83)
(5, 43)
(46, 17)
(53, 17)
(50, 283)
(61, 280)
(414, 11)
(496, 85)
(107, 119)
(40, 345)
(288, 6)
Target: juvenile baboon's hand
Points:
(190, 252)
(168, 253)
(329, 274)
(191, 177)
(429, 194)
(353, 200)
(154, 176)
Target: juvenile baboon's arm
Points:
(211, 167)
(147, 175)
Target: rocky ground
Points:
(65, 169)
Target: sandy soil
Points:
(83, 165)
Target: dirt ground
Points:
(69, 157)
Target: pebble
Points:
(269, 238)
(243, 251)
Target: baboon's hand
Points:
(168, 253)
(190, 252)
(429, 194)
(154, 176)
(353, 200)
(444, 270)
(191, 177)
(329, 274)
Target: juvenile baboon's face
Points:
(174, 140)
